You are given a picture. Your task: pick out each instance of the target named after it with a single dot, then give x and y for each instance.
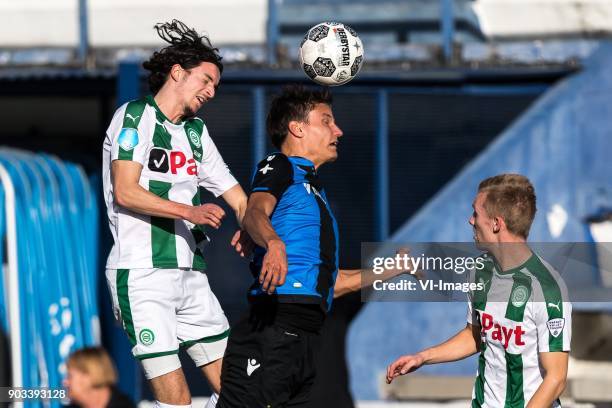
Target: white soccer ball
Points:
(331, 53)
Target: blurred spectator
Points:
(91, 379)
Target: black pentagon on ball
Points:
(350, 30)
(324, 67)
(318, 33)
(356, 64)
(309, 70)
(303, 41)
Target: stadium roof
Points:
(43, 80)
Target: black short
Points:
(267, 363)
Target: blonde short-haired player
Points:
(521, 321)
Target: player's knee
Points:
(205, 353)
(208, 356)
(158, 366)
(169, 387)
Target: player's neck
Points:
(511, 254)
(293, 150)
(168, 104)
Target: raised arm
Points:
(351, 280)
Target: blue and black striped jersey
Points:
(304, 221)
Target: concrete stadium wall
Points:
(115, 23)
(535, 18)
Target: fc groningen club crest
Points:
(519, 296)
(146, 337)
(194, 137)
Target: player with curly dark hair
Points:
(187, 48)
(157, 154)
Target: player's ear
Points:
(498, 224)
(176, 72)
(295, 128)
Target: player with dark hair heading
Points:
(156, 156)
(187, 49)
(269, 360)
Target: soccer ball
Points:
(331, 53)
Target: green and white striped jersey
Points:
(521, 313)
(175, 159)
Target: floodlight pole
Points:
(447, 19)
(272, 32)
(83, 32)
(258, 95)
(382, 166)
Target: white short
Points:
(164, 309)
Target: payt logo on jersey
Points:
(161, 162)
(501, 333)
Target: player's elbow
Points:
(558, 381)
(120, 199)
(562, 386)
(346, 284)
(249, 222)
(561, 383)
(340, 290)
(122, 196)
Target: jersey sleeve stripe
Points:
(125, 154)
(133, 113)
(131, 119)
(553, 299)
